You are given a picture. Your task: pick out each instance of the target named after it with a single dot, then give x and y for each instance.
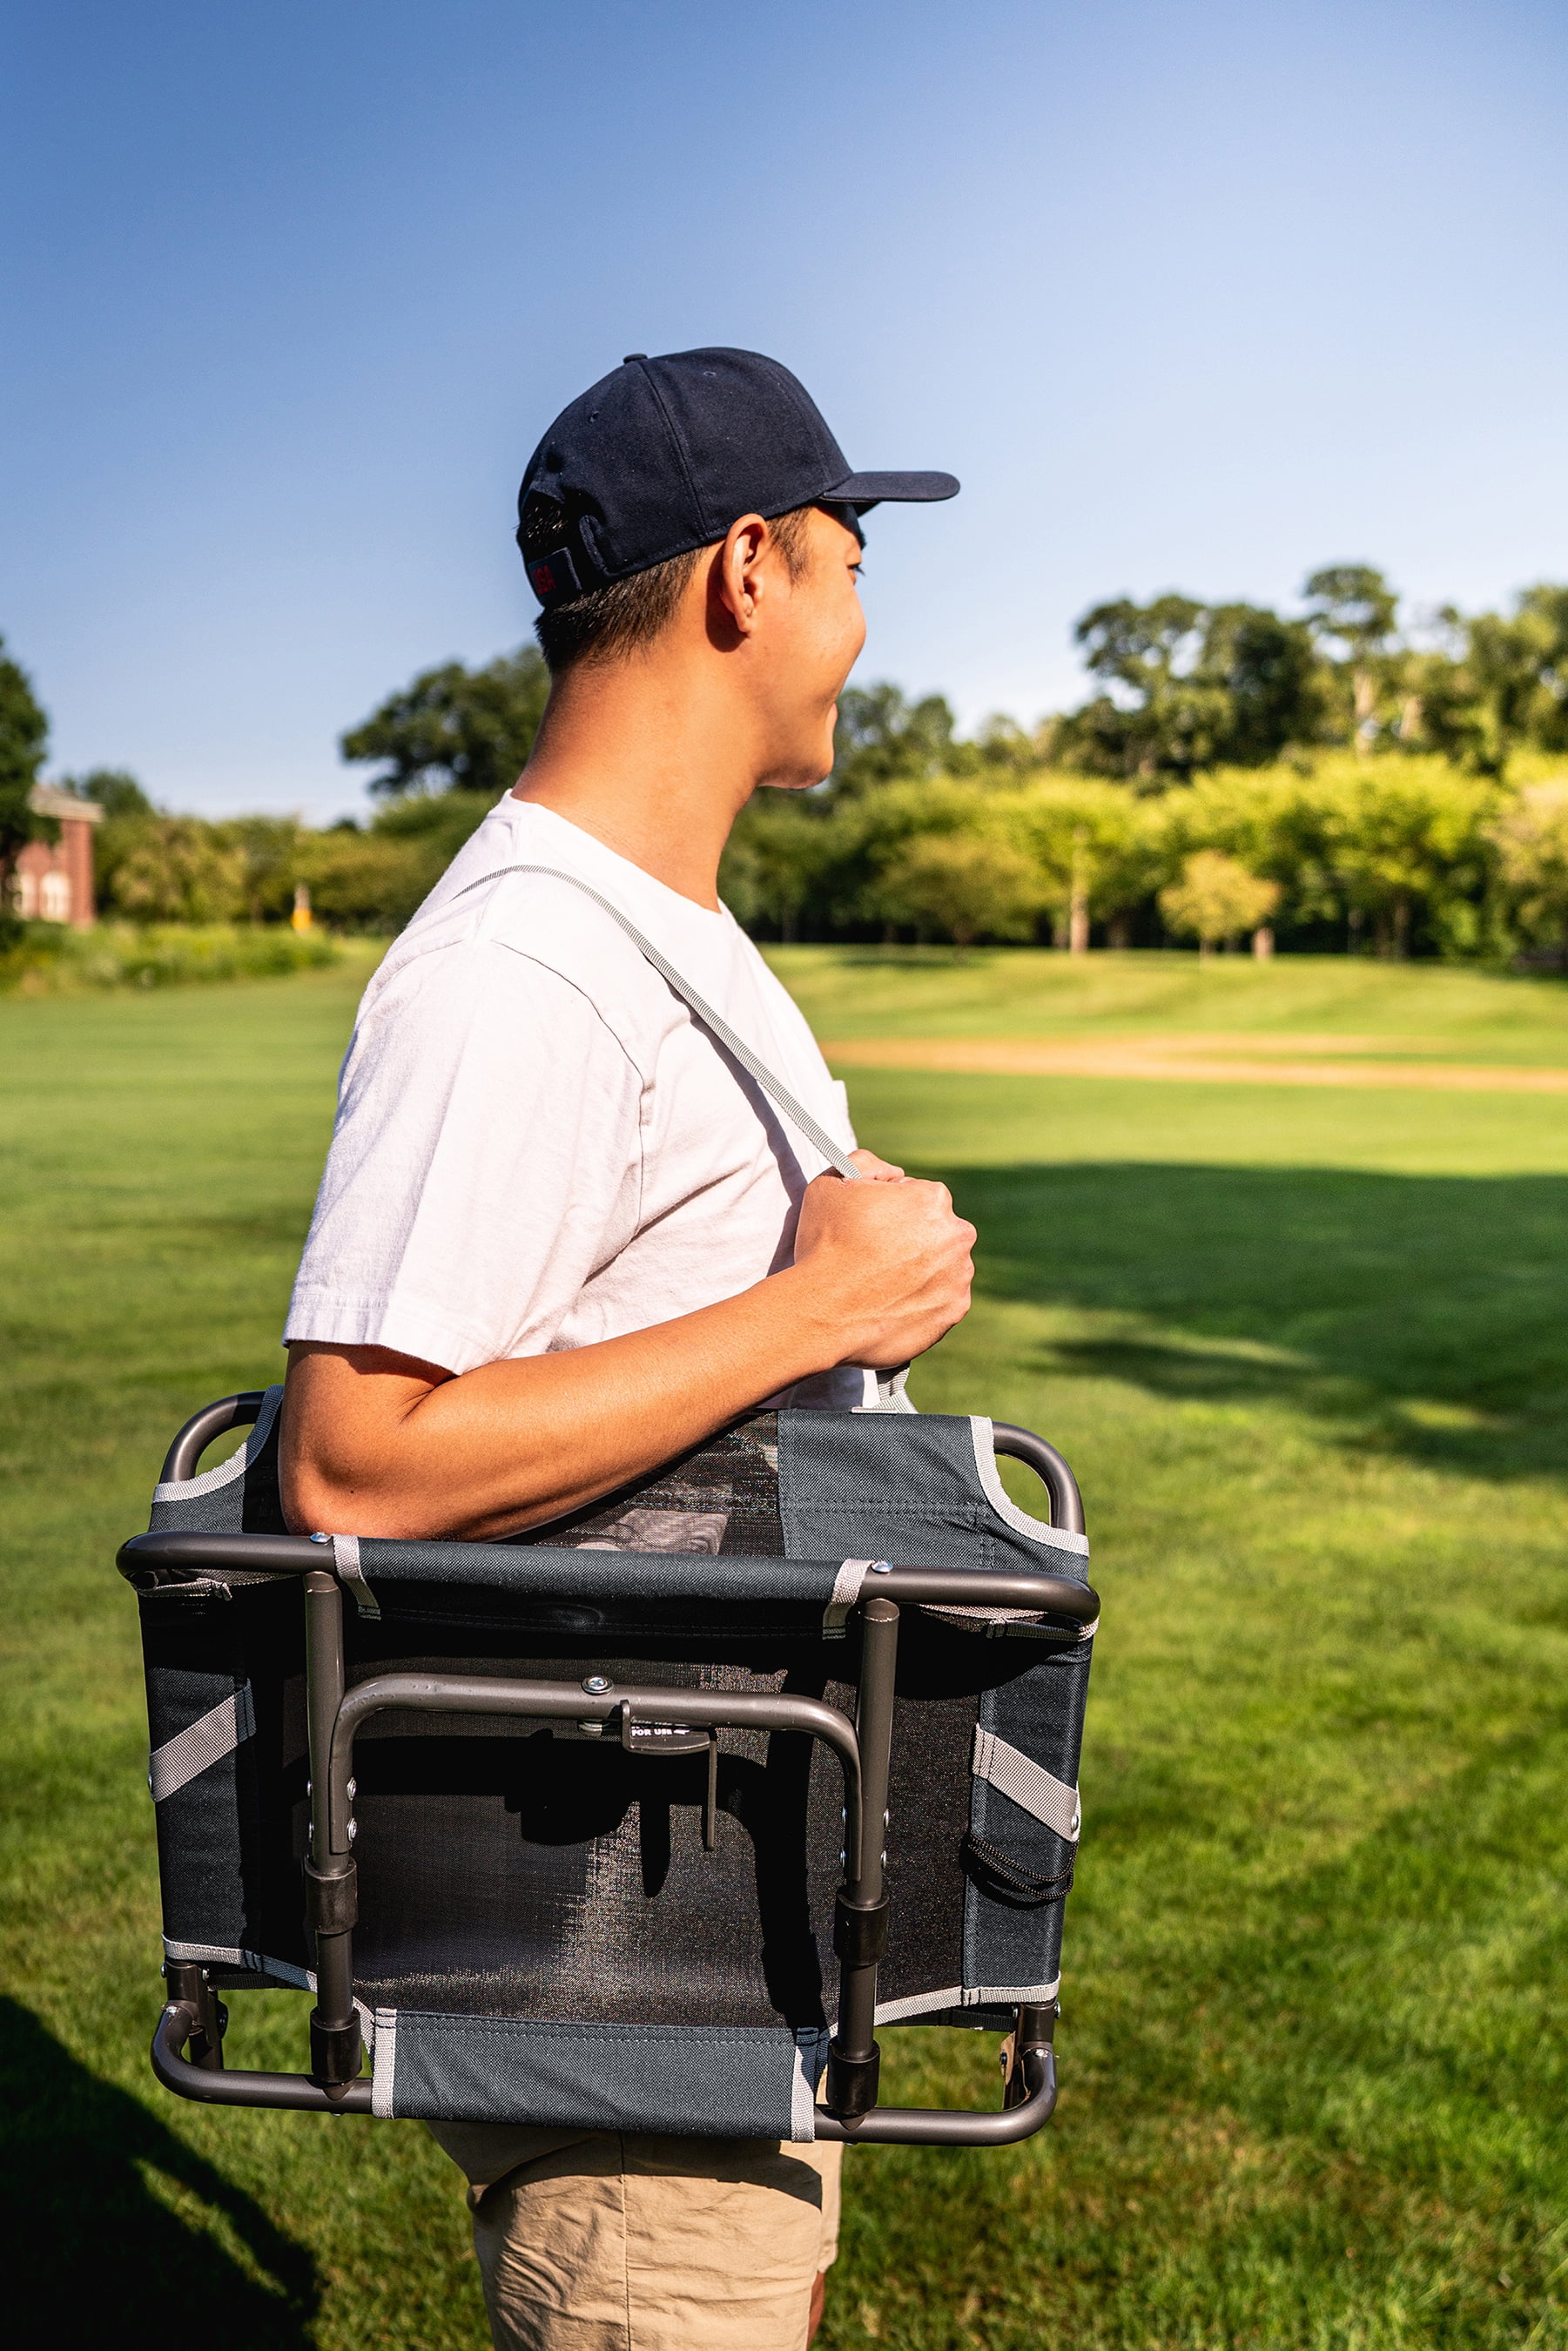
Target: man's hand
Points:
(886, 1264)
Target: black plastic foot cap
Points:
(851, 2083)
(334, 2050)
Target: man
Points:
(562, 1237)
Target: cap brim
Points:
(896, 489)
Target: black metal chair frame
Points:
(187, 2046)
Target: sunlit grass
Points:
(1308, 1354)
(1012, 992)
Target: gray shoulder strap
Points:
(773, 1087)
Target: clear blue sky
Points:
(1187, 295)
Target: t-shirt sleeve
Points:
(486, 1162)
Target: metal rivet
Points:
(320, 1537)
(596, 1683)
(354, 1831)
(882, 1568)
(353, 1790)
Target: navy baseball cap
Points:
(663, 454)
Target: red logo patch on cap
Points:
(543, 579)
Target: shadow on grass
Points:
(1318, 2110)
(118, 2229)
(1425, 1315)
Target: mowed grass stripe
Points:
(1029, 993)
(1164, 1061)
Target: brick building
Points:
(51, 882)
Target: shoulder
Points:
(520, 909)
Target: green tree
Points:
(24, 739)
(1188, 686)
(1094, 847)
(366, 881)
(1350, 614)
(456, 728)
(1543, 614)
(1275, 822)
(866, 835)
(372, 879)
(270, 847)
(1002, 747)
(175, 869)
(1216, 899)
(113, 789)
(1516, 667)
(1272, 677)
(1408, 845)
(1158, 716)
(1438, 707)
(1496, 683)
(968, 884)
(776, 860)
(1530, 837)
(881, 735)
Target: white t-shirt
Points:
(537, 1145)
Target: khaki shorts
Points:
(634, 2241)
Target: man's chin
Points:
(802, 774)
(795, 780)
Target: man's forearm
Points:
(374, 1444)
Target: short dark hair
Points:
(605, 623)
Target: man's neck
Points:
(635, 754)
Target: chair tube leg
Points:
(331, 1895)
(187, 1982)
(1034, 2036)
(860, 1923)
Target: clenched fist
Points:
(886, 1264)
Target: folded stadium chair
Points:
(649, 1820)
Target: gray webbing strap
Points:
(201, 1744)
(1032, 1789)
(795, 1112)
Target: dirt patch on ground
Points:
(1190, 1060)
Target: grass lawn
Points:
(1461, 1014)
(1309, 1354)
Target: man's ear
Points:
(738, 576)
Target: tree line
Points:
(1185, 686)
(1334, 779)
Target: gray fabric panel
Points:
(1040, 1715)
(908, 1490)
(734, 2081)
(202, 1862)
(184, 1490)
(1025, 1523)
(900, 1486)
(218, 1511)
(541, 1574)
(239, 1495)
(227, 1852)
